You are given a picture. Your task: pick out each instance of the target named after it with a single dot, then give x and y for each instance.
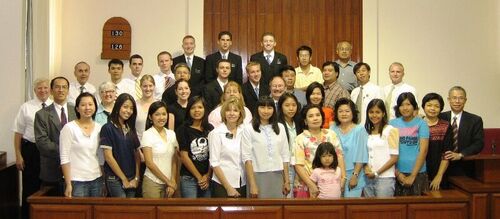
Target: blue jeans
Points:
(115, 188)
(87, 188)
(190, 188)
(379, 187)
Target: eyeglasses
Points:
(461, 99)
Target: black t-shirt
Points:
(440, 140)
(179, 114)
(195, 142)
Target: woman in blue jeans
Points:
(383, 151)
(78, 145)
(192, 137)
(118, 139)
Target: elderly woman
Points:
(107, 94)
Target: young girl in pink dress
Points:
(326, 173)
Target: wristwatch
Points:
(375, 173)
(355, 174)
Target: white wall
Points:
(441, 43)
(11, 70)
(157, 25)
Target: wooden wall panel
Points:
(61, 211)
(376, 211)
(120, 212)
(188, 212)
(479, 206)
(252, 212)
(319, 24)
(495, 205)
(314, 212)
(427, 211)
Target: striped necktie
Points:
(454, 128)
(138, 91)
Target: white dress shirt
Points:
(225, 153)
(125, 86)
(160, 83)
(58, 110)
(370, 91)
(398, 90)
(74, 90)
(80, 151)
(25, 119)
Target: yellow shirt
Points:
(302, 80)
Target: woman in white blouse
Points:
(383, 151)
(266, 153)
(159, 146)
(225, 152)
(78, 145)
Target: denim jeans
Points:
(379, 187)
(190, 188)
(87, 188)
(115, 188)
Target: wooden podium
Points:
(487, 167)
(484, 190)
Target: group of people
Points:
(199, 131)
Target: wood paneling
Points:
(319, 24)
(120, 212)
(495, 205)
(188, 212)
(479, 206)
(376, 211)
(314, 212)
(251, 212)
(61, 211)
(427, 211)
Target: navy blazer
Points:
(236, 69)
(197, 80)
(47, 128)
(251, 98)
(270, 70)
(470, 141)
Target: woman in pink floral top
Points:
(305, 148)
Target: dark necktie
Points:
(44, 105)
(64, 120)
(454, 128)
(81, 89)
(256, 91)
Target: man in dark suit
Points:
(213, 91)
(196, 65)
(48, 124)
(254, 87)
(271, 62)
(224, 42)
(468, 129)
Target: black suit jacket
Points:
(270, 70)
(47, 129)
(197, 79)
(211, 66)
(212, 93)
(470, 141)
(251, 98)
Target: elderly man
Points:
(468, 136)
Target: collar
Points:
(265, 53)
(58, 107)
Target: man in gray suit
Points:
(48, 124)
